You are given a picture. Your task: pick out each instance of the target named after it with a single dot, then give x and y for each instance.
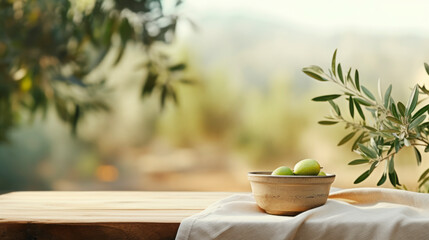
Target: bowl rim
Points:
(268, 174)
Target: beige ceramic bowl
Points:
(289, 195)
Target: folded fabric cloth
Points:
(361, 213)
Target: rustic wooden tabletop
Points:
(98, 215)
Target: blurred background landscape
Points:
(247, 105)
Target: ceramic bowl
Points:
(289, 194)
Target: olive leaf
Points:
(335, 107)
(327, 122)
(359, 109)
(426, 68)
(421, 111)
(367, 93)
(418, 156)
(334, 60)
(315, 72)
(393, 176)
(362, 101)
(417, 122)
(424, 174)
(393, 119)
(340, 73)
(326, 98)
(367, 151)
(387, 96)
(358, 161)
(357, 84)
(382, 179)
(346, 138)
(362, 177)
(394, 111)
(401, 108)
(351, 106)
(412, 101)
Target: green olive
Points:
(282, 171)
(307, 167)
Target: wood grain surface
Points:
(99, 215)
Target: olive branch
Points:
(383, 126)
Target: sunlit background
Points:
(249, 107)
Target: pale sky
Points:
(369, 15)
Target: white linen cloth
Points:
(361, 213)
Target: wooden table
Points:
(98, 215)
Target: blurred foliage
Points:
(384, 126)
(48, 49)
(239, 123)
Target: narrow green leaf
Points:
(416, 122)
(391, 165)
(427, 68)
(397, 145)
(334, 59)
(373, 166)
(397, 179)
(362, 177)
(315, 72)
(349, 78)
(394, 111)
(393, 119)
(421, 111)
(358, 140)
(427, 148)
(340, 73)
(357, 80)
(423, 182)
(382, 179)
(326, 98)
(393, 177)
(351, 107)
(424, 90)
(335, 107)
(418, 156)
(327, 122)
(315, 76)
(373, 144)
(389, 131)
(370, 128)
(387, 96)
(367, 93)
(358, 161)
(362, 101)
(346, 138)
(359, 109)
(412, 101)
(424, 174)
(367, 151)
(401, 108)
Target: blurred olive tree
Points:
(48, 48)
